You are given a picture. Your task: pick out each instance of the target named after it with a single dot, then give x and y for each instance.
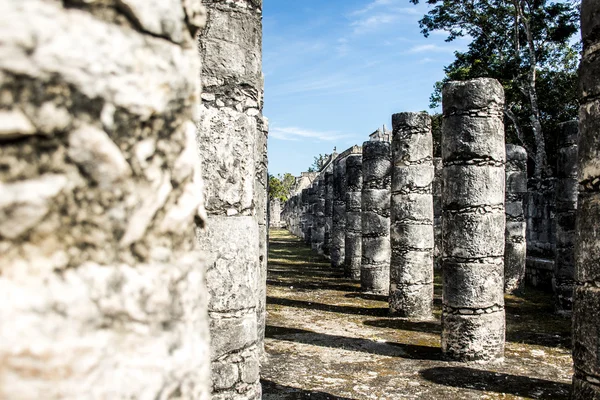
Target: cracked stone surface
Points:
(327, 340)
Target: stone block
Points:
(473, 285)
(485, 233)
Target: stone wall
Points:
(232, 145)
(101, 276)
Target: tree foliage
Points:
(280, 187)
(318, 162)
(527, 46)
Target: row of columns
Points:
(383, 218)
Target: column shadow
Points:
(475, 379)
(306, 285)
(390, 349)
(272, 390)
(309, 305)
(367, 296)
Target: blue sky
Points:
(336, 70)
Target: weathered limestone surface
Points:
(353, 239)
(411, 266)
(375, 217)
(338, 230)
(101, 277)
(473, 153)
(515, 248)
(232, 145)
(586, 308)
(566, 210)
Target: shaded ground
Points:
(327, 340)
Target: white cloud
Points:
(373, 22)
(431, 48)
(294, 134)
(380, 12)
(372, 5)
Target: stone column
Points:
(515, 248)
(353, 240)
(262, 213)
(375, 218)
(101, 277)
(437, 211)
(566, 210)
(318, 233)
(586, 306)
(473, 153)
(229, 135)
(328, 213)
(411, 266)
(304, 216)
(338, 232)
(310, 214)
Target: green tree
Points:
(318, 162)
(526, 45)
(280, 187)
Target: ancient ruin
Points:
(141, 256)
(411, 262)
(474, 155)
(586, 323)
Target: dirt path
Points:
(326, 340)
